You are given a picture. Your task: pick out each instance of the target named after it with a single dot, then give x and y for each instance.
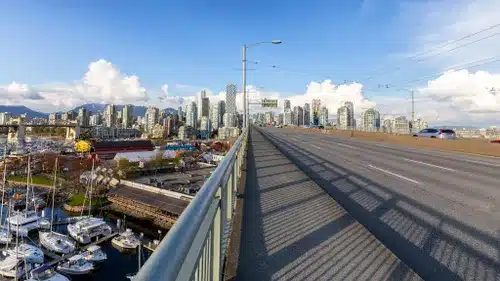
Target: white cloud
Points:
(103, 82)
(429, 24)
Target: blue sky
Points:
(197, 42)
(49, 45)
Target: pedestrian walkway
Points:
(293, 230)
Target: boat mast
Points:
(91, 182)
(28, 185)
(139, 256)
(8, 224)
(4, 181)
(53, 194)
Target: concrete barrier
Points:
(473, 146)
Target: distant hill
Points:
(16, 110)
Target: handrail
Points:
(195, 246)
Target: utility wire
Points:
(442, 46)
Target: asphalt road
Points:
(439, 212)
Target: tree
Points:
(123, 163)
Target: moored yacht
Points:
(85, 230)
(16, 268)
(30, 253)
(126, 240)
(46, 273)
(94, 254)
(56, 242)
(23, 222)
(76, 265)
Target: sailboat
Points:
(27, 220)
(88, 228)
(46, 273)
(54, 241)
(5, 235)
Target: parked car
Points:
(437, 134)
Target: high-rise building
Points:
(168, 125)
(152, 116)
(315, 112)
(205, 106)
(307, 114)
(214, 116)
(83, 117)
(191, 115)
(344, 118)
(180, 113)
(205, 127)
(95, 120)
(350, 105)
(286, 105)
(323, 117)
(52, 118)
(400, 125)
(230, 119)
(269, 117)
(287, 113)
(127, 116)
(298, 115)
(371, 120)
(231, 98)
(110, 115)
(4, 118)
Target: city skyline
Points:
(454, 82)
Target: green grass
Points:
(77, 200)
(37, 179)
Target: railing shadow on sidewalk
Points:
(433, 253)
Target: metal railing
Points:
(195, 247)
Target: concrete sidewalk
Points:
(293, 230)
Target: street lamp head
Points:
(276, 41)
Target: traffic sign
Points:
(269, 103)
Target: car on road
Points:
(437, 134)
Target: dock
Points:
(57, 259)
(150, 245)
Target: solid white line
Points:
(394, 174)
(431, 165)
(345, 145)
(315, 146)
(482, 163)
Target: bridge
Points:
(18, 131)
(289, 205)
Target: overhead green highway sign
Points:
(269, 103)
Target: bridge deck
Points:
(293, 230)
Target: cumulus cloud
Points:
(102, 83)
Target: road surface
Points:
(437, 211)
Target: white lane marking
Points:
(394, 174)
(482, 163)
(431, 165)
(345, 145)
(315, 146)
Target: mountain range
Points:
(16, 110)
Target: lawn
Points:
(77, 200)
(37, 179)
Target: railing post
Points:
(217, 242)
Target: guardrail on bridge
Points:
(195, 247)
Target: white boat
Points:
(76, 265)
(16, 269)
(126, 240)
(85, 230)
(46, 273)
(7, 261)
(23, 222)
(5, 236)
(30, 253)
(94, 254)
(56, 242)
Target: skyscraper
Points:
(4, 118)
(152, 116)
(315, 113)
(371, 120)
(205, 106)
(127, 114)
(110, 115)
(231, 98)
(95, 120)
(205, 127)
(83, 117)
(350, 105)
(287, 113)
(168, 124)
(191, 115)
(323, 117)
(344, 118)
(298, 116)
(307, 114)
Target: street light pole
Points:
(244, 82)
(412, 111)
(244, 86)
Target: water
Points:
(118, 263)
